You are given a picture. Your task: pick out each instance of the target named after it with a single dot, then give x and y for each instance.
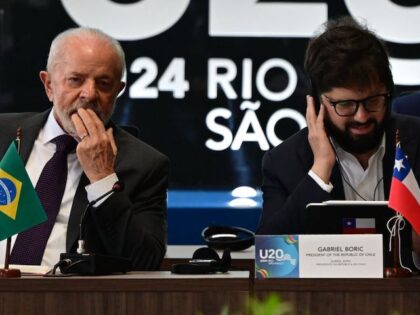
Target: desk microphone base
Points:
(93, 264)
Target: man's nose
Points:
(362, 115)
(89, 91)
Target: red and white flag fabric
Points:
(359, 226)
(404, 196)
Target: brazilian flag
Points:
(20, 208)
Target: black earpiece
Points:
(313, 91)
(232, 237)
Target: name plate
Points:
(319, 256)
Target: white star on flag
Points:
(399, 164)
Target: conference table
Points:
(161, 292)
(133, 293)
(345, 296)
(322, 296)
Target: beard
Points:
(64, 116)
(357, 144)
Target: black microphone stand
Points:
(90, 263)
(117, 187)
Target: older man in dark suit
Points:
(82, 80)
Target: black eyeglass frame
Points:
(387, 96)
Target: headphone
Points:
(231, 237)
(204, 261)
(313, 91)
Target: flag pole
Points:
(6, 272)
(396, 271)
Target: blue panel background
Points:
(189, 212)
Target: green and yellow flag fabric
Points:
(20, 208)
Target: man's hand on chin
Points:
(97, 149)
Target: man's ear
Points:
(46, 81)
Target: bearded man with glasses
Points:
(347, 151)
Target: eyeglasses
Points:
(371, 104)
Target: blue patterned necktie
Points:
(30, 245)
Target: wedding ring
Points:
(83, 136)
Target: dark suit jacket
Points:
(287, 187)
(131, 223)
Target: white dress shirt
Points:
(358, 183)
(41, 153)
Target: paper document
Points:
(29, 269)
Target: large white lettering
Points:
(172, 79)
(222, 71)
(143, 19)
(219, 129)
(146, 18)
(291, 74)
(287, 19)
(222, 79)
(250, 129)
(250, 119)
(403, 29)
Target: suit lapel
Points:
(388, 161)
(30, 130)
(338, 192)
(409, 143)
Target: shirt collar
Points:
(51, 129)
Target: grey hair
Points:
(57, 46)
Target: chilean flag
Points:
(404, 196)
(359, 226)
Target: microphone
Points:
(91, 263)
(117, 187)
